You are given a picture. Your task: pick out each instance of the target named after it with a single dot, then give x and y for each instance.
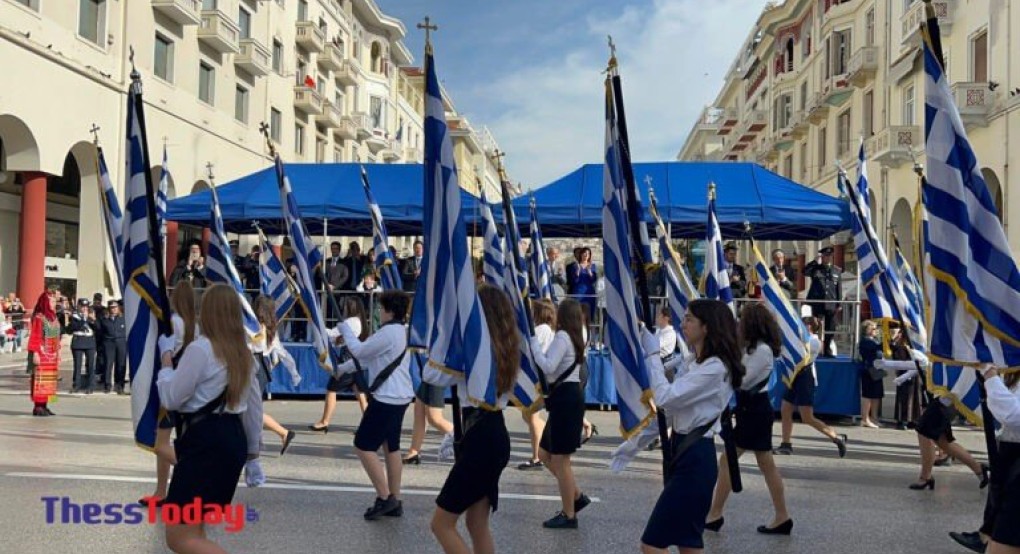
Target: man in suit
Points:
(115, 346)
(248, 268)
(337, 277)
(355, 263)
(411, 267)
(826, 286)
(784, 273)
(738, 281)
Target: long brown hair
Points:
(757, 325)
(265, 312)
(544, 312)
(720, 336)
(506, 340)
(1011, 380)
(570, 319)
(182, 302)
(222, 325)
(354, 308)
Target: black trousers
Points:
(908, 404)
(115, 359)
(101, 374)
(83, 379)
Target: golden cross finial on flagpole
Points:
(427, 25)
(612, 52)
(95, 133)
(264, 129)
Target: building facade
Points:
(332, 78)
(815, 77)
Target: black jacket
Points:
(407, 273)
(826, 283)
(738, 287)
(183, 272)
(113, 329)
(83, 333)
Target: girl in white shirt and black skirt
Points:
(544, 314)
(694, 401)
(1002, 511)
(565, 404)
(215, 392)
(384, 358)
(472, 487)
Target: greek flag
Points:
(493, 262)
(219, 267)
(275, 282)
(114, 219)
(164, 183)
(447, 319)
(795, 354)
(538, 264)
(972, 283)
(679, 288)
(625, 350)
(306, 257)
(914, 296)
(145, 302)
(715, 280)
(389, 273)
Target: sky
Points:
(531, 70)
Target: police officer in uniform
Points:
(825, 285)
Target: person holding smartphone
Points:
(191, 268)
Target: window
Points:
(375, 112)
(979, 58)
(869, 27)
(908, 105)
(320, 85)
(788, 166)
(784, 111)
(868, 121)
(206, 83)
(822, 139)
(302, 71)
(302, 10)
(338, 156)
(241, 104)
(275, 125)
(31, 4)
(163, 58)
(803, 161)
(244, 22)
(320, 150)
(803, 96)
(277, 56)
(843, 134)
(376, 54)
(209, 4)
(323, 27)
(92, 21)
(338, 101)
(806, 44)
(840, 51)
(789, 56)
(299, 139)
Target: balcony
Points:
(799, 125)
(709, 122)
(377, 141)
(347, 129)
(728, 119)
(817, 108)
(412, 154)
(332, 57)
(330, 116)
(185, 12)
(310, 37)
(754, 121)
(893, 145)
(349, 72)
(863, 65)
(912, 19)
(838, 90)
(308, 100)
(253, 57)
(390, 153)
(219, 31)
(975, 103)
(766, 152)
(361, 127)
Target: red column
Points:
(170, 256)
(206, 236)
(32, 240)
(801, 280)
(839, 255)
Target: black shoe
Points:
(383, 507)
(782, 529)
(946, 461)
(594, 432)
(841, 445)
(971, 541)
(656, 444)
(715, 525)
(106, 390)
(286, 441)
(784, 448)
(560, 521)
(531, 465)
(120, 390)
(48, 411)
(984, 477)
(396, 512)
(901, 426)
(412, 460)
(88, 391)
(921, 485)
(580, 503)
(323, 430)
(39, 412)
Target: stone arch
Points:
(199, 186)
(902, 223)
(171, 188)
(20, 149)
(376, 54)
(994, 189)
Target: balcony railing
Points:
(975, 103)
(332, 57)
(253, 57)
(863, 65)
(377, 141)
(184, 12)
(817, 108)
(330, 116)
(837, 90)
(912, 19)
(412, 154)
(894, 145)
(728, 118)
(753, 122)
(219, 31)
(308, 100)
(347, 129)
(349, 72)
(361, 124)
(310, 36)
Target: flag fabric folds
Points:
(274, 280)
(219, 267)
(914, 296)
(679, 288)
(164, 184)
(385, 263)
(795, 354)
(447, 319)
(113, 217)
(493, 261)
(145, 302)
(306, 257)
(622, 332)
(715, 280)
(538, 264)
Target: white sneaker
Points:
(446, 448)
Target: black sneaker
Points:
(840, 441)
(560, 521)
(383, 508)
(580, 503)
(531, 465)
(970, 541)
(785, 448)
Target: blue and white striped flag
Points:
(914, 295)
(795, 354)
(306, 257)
(538, 264)
(274, 280)
(493, 262)
(447, 319)
(219, 267)
(113, 217)
(622, 333)
(971, 279)
(164, 184)
(385, 264)
(715, 280)
(680, 290)
(145, 303)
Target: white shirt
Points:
(758, 366)
(275, 353)
(544, 334)
(667, 341)
(814, 349)
(1005, 406)
(557, 359)
(355, 324)
(200, 377)
(699, 393)
(177, 322)
(437, 377)
(377, 352)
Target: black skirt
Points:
(753, 430)
(562, 434)
(679, 515)
(871, 388)
(484, 454)
(380, 425)
(937, 422)
(802, 391)
(431, 395)
(1006, 495)
(210, 457)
